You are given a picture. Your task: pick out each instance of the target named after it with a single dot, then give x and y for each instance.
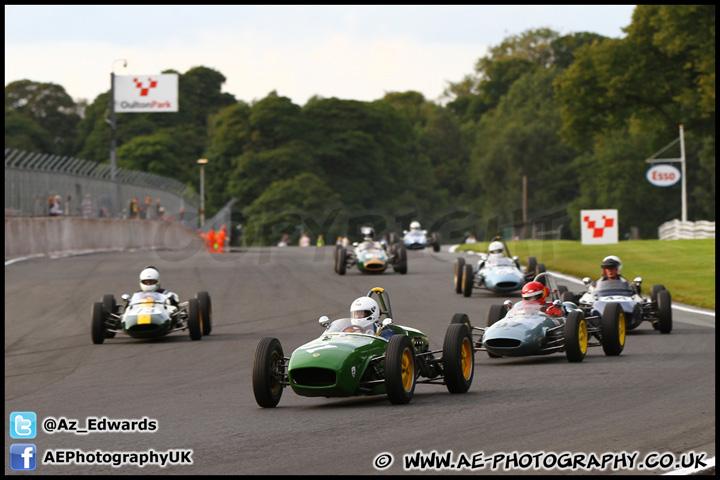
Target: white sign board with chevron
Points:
(598, 227)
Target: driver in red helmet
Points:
(537, 292)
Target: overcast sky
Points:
(349, 52)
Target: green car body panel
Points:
(371, 257)
(338, 364)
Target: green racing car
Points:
(357, 356)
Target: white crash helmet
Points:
(149, 279)
(368, 232)
(495, 248)
(414, 225)
(364, 309)
(611, 262)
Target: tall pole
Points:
(684, 186)
(112, 126)
(113, 167)
(202, 163)
(524, 200)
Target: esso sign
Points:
(663, 175)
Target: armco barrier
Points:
(55, 235)
(676, 230)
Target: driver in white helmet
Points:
(150, 282)
(365, 312)
(495, 252)
(496, 249)
(368, 233)
(414, 226)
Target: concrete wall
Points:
(54, 235)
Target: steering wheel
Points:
(354, 329)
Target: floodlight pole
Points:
(112, 118)
(202, 162)
(684, 184)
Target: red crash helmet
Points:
(535, 292)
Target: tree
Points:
(24, 134)
(49, 106)
(519, 138)
(151, 154)
(659, 77)
(287, 204)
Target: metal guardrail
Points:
(676, 230)
(85, 188)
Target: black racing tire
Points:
(340, 261)
(205, 305)
(576, 337)
(467, 280)
(459, 265)
(435, 241)
(400, 371)
(654, 291)
(612, 327)
(531, 264)
(194, 320)
(540, 269)
(400, 264)
(496, 313)
(664, 307)
(110, 306)
(97, 327)
(267, 372)
(463, 319)
(109, 303)
(567, 296)
(458, 359)
(335, 254)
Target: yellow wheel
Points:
(408, 370)
(400, 369)
(612, 326)
(576, 336)
(458, 358)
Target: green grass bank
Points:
(685, 267)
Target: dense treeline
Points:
(576, 115)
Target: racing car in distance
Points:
(417, 239)
(352, 358)
(370, 256)
(150, 315)
(634, 307)
(524, 329)
(496, 271)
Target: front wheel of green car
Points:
(268, 372)
(400, 369)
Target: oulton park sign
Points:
(146, 93)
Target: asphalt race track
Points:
(657, 397)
